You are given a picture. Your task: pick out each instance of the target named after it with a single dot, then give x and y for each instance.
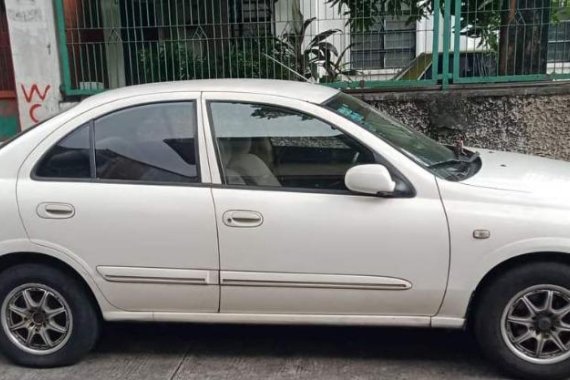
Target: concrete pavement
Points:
(180, 352)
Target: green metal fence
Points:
(343, 43)
(516, 40)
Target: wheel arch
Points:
(506, 265)
(16, 258)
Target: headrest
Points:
(240, 146)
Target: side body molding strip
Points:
(237, 278)
(159, 275)
(307, 280)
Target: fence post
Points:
(62, 46)
(446, 39)
(457, 40)
(435, 43)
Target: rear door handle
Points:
(55, 211)
(242, 218)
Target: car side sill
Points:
(448, 322)
(286, 319)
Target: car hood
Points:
(522, 173)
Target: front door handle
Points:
(242, 218)
(55, 210)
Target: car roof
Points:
(297, 90)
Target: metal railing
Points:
(527, 40)
(343, 43)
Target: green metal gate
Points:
(112, 43)
(529, 41)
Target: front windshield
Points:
(438, 158)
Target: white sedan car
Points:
(256, 201)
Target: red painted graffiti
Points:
(30, 95)
(35, 90)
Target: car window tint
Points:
(271, 146)
(153, 143)
(69, 158)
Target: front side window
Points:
(263, 145)
(153, 143)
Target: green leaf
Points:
(329, 47)
(306, 25)
(323, 36)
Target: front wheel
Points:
(522, 321)
(46, 319)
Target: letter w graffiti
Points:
(35, 90)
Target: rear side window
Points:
(70, 158)
(154, 142)
(147, 143)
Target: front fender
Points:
(463, 283)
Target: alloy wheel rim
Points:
(535, 324)
(37, 319)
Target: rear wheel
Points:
(522, 321)
(46, 317)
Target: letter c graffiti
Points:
(33, 109)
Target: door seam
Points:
(449, 248)
(202, 136)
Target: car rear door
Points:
(293, 240)
(122, 190)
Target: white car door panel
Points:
(152, 246)
(133, 226)
(329, 253)
(321, 252)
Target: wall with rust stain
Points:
(8, 118)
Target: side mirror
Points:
(370, 179)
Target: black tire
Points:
(488, 315)
(84, 328)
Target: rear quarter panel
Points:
(13, 236)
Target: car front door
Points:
(293, 239)
(120, 189)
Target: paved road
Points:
(170, 351)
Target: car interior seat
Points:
(249, 167)
(232, 177)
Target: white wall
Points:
(35, 55)
(424, 37)
(284, 14)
